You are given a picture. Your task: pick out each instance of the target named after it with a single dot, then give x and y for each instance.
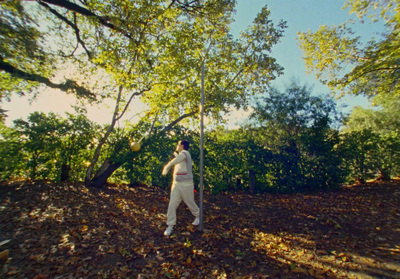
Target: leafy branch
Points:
(68, 85)
(83, 11)
(71, 24)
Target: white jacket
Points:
(182, 164)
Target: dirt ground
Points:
(52, 230)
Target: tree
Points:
(342, 61)
(46, 147)
(153, 51)
(77, 136)
(12, 159)
(235, 68)
(224, 168)
(358, 149)
(41, 143)
(376, 133)
(25, 58)
(296, 127)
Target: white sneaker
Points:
(168, 231)
(196, 221)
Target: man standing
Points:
(182, 187)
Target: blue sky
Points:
(300, 15)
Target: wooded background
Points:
(294, 140)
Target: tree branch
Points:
(362, 73)
(130, 100)
(83, 11)
(176, 121)
(66, 86)
(234, 78)
(381, 69)
(350, 55)
(189, 7)
(73, 25)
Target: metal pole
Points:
(201, 227)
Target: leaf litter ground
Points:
(52, 230)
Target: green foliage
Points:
(21, 43)
(370, 139)
(296, 127)
(47, 147)
(358, 149)
(224, 161)
(292, 147)
(147, 50)
(341, 60)
(41, 141)
(230, 157)
(12, 162)
(151, 49)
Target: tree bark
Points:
(86, 12)
(108, 167)
(65, 168)
(66, 86)
(384, 175)
(252, 181)
(105, 171)
(89, 181)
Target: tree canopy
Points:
(297, 128)
(342, 60)
(151, 50)
(146, 50)
(372, 137)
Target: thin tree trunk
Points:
(252, 180)
(65, 169)
(108, 167)
(89, 171)
(116, 116)
(106, 170)
(384, 175)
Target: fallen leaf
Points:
(300, 270)
(4, 255)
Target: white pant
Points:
(181, 191)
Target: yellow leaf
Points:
(4, 255)
(111, 251)
(299, 270)
(84, 228)
(283, 246)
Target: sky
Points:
(301, 15)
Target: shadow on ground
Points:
(68, 231)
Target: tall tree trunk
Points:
(89, 171)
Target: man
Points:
(182, 187)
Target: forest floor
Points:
(52, 230)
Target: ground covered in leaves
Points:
(68, 231)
